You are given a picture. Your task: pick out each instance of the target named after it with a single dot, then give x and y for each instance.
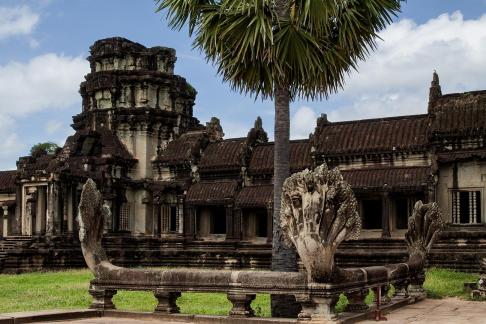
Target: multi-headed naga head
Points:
(423, 227)
(318, 212)
(91, 219)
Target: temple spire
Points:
(435, 91)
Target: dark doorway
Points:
(218, 220)
(401, 213)
(372, 214)
(173, 219)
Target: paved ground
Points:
(429, 311)
(439, 311)
(115, 320)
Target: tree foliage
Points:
(43, 148)
(310, 50)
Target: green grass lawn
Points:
(69, 289)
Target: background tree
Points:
(43, 148)
(283, 50)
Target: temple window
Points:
(372, 211)
(168, 220)
(211, 221)
(254, 221)
(466, 206)
(125, 217)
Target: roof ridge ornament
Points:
(435, 91)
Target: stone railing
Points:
(318, 212)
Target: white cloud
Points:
(395, 79)
(11, 145)
(49, 81)
(302, 123)
(53, 126)
(17, 21)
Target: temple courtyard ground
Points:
(429, 311)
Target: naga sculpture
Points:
(92, 213)
(423, 227)
(319, 211)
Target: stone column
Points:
(229, 222)
(241, 304)
(385, 220)
(70, 210)
(40, 225)
(102, 298)
(52, 202)
(28, 219)
(238, 217)
(357, 301)
(17, 223)
(166, 301)
(4, 221)
(2, 226)
(180, 215)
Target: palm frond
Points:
(312, 49)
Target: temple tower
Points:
(133, 92)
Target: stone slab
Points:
(439, 311)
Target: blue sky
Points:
(44, 43)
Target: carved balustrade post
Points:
(356, 301)
(416, 288)
(401, 288)
(167, 301)
(241, 304)
(102, 298)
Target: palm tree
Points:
(283, 50)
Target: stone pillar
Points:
(2, 225)
(4, 221)
(357, 301)
(40, 226)
(28, 219)
(385, 220)
(241, 304)
(229, 222)
(102, 298)
(270, 224)
(70, 210)
(401, 288)
(238, 218)
(52, 205)
(17, 223)
(167, 301)
(180, 214)
(315, 307)
(416, 288)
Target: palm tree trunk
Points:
(283, 258)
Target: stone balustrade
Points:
(317, 299)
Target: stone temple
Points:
(176, 188)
